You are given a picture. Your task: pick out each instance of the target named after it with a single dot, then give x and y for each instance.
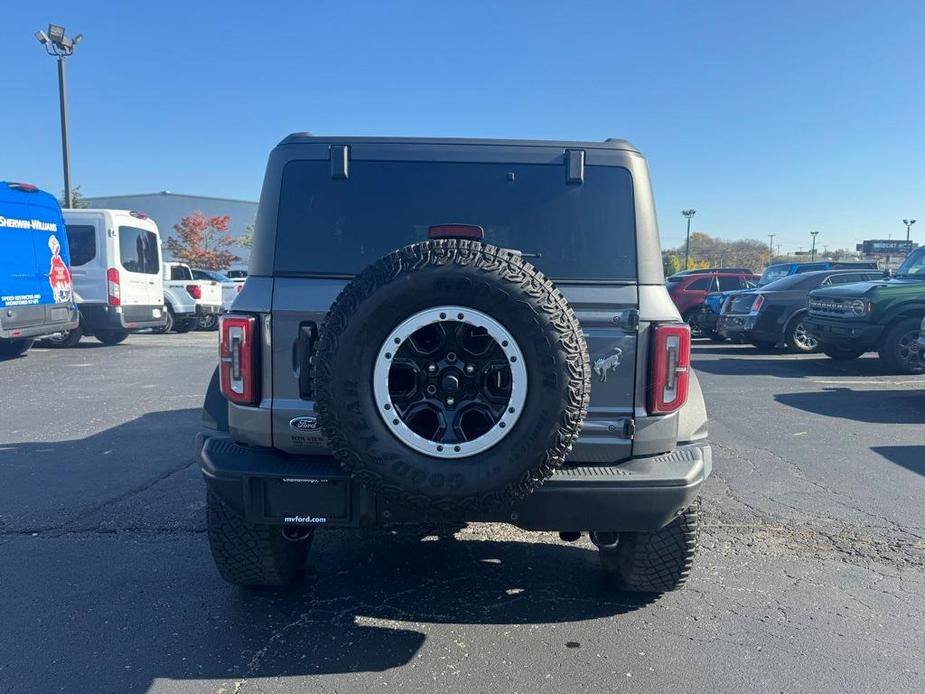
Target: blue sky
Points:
(779, 117)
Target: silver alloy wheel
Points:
(803, 339)
(450, 382)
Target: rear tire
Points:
(842, 354)
(797, 339)
(111, 337)
(184, 325)
(168, 326)
(252, 555)
(208, 322)
(654, 562)
(14, 348)
(67, 338)
(898, 350)
(696, 329)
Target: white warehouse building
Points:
(167, 209)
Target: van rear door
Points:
(86, 236)
(139, 262)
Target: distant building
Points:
(167, 209)
(886, 247)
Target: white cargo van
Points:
(116, 271)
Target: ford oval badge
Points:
(303, 423)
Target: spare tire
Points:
(451, 374)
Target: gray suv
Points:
(441, 331)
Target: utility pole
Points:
(771, 247)
(60, 46)
(687, 249)
(813, 252)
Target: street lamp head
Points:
(77, 39)
(688, 213)
(41, 37)
(56, 32)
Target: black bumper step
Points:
(270, 487)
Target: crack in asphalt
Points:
(66, 528)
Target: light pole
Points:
(687, 249)
(60, 46)
(771, 248)
(814, 234)
(908, 223)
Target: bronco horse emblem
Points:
(605, 364)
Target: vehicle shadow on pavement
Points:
(120, 588)
(910, 457)
(365, 600)
(788, 366)
(869, 406)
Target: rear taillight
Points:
(757, 304)
(238, 357)
(113, 288)
(669, 367)
(194, 290)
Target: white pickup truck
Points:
(188, 299)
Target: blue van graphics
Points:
(34, 255)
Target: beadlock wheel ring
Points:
(449, 320)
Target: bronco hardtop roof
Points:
(609, 143)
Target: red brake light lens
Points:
(24, 187)
(113, 287)
(757, 304)
(194, 290)
(456, 231)
(669, 364)
(238, 357)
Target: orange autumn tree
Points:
(203, 242)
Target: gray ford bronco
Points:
(442, 331)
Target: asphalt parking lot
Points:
(810, 577)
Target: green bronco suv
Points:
(883, 315)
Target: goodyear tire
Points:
(655, 562)
(252, 555)
(469, 325)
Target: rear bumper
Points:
(47, 321)
(98, 316)
(843, 333)
(748, 327)
(265, 486)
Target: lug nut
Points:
(450, 401)
(431, 368)
(470, 369)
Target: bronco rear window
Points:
(337, 227)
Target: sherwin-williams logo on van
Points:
(32, 224)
